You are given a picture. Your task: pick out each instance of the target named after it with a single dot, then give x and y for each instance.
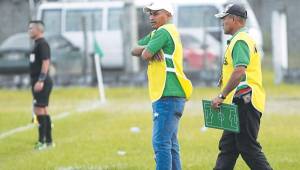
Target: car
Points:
(14, 53)
(200, 59)
(66, 59)
(198, 55)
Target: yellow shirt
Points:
(157, 70)
(253, 71)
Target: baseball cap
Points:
(154, 6)
(233, 9)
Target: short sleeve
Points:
(44, 51)
(144, 40)
(158, 40)
(241, 54)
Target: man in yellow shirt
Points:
(241, 83)
(168, 86)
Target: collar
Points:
(39, 39)
(167, 23)
(243, 29)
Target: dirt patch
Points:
(283, 106)
(194, 107)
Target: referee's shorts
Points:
(41, 98)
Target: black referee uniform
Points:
(40, 52)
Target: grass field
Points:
(100, 138)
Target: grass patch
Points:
(91, 140)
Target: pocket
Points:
(246, 98)
(178, 114)
(179, 107)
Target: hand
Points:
(38, 86)
(157, 57)
(216, 102)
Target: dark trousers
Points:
(245, 143)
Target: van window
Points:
(74, 19)
(52, 20)
(114, 21)
(197, 16)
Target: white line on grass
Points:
(16, 130)
(30, 126)
(91, 106)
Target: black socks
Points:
(48, 129)
(44, 128)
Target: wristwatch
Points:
(221, 96)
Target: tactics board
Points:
(226, 117)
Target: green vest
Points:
(253, 72)
(157, 70)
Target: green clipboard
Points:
(226, 117)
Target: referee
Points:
(41, 83)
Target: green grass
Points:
(91, 140)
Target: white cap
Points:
(159, 6)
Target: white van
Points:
(201, 32)
(201, 14)
(66, 18)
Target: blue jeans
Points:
(167, 112)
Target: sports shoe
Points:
(40, 146)
(50, 145)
